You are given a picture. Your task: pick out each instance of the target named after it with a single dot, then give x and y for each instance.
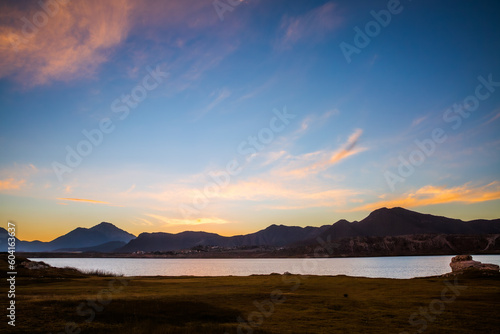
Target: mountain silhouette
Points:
(381, 223)
(398, 221)
(79, 238)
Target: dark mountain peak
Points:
(391, 212)
(342, 222)
(112, 232)
(104, 224)
(196, 233)
(399, 221)
(273, 227)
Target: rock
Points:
(460, 263)
(34, 265)
(460, 258)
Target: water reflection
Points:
(389, 267)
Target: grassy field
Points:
(255, 304)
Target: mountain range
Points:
(97, 238)
(379, 224)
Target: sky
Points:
(228, 116)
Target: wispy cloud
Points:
(197, 221)
(220, 96)
(17, 177)
(129, 190)
(319, 161)
(72, 44)
(418, 120)
(11, 183)
(83, 200)
(431, 195)
(83, 35)
(287, 194)
(492, 119)
(313, 25)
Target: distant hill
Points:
(407, 230)
(4, 235)
(402, 245)
(274, 235)
(107, 247)
(277, 236)
(398, 221)
(80, 238)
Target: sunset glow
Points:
(166, 116)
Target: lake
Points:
(388, 267)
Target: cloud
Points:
(83, 200)
(17, 177)
(71, 43)
(319, 161)
(314, 25)
(492, 119)
(221, 96)
(11, 183)
(294, 195)
(315, 119)
(418, 120)
(197, 221)
(81, 36)
(272, 157)
(132, 187)
(145, 222)
(431, 195)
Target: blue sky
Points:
(310, 135)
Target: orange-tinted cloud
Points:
(17, 177)
(194, 221)
(82, 35)
(320, 161)
(294, 195)
(11, 183)
(83, 200)
(70, 43)
(430, 195)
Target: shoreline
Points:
(223, 256)
(259, 304)
(54, 299)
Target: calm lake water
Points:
(389, 267)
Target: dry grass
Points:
(303, 304)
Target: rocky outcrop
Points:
(34, 265)
(460, 263)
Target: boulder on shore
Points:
(460, 263)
